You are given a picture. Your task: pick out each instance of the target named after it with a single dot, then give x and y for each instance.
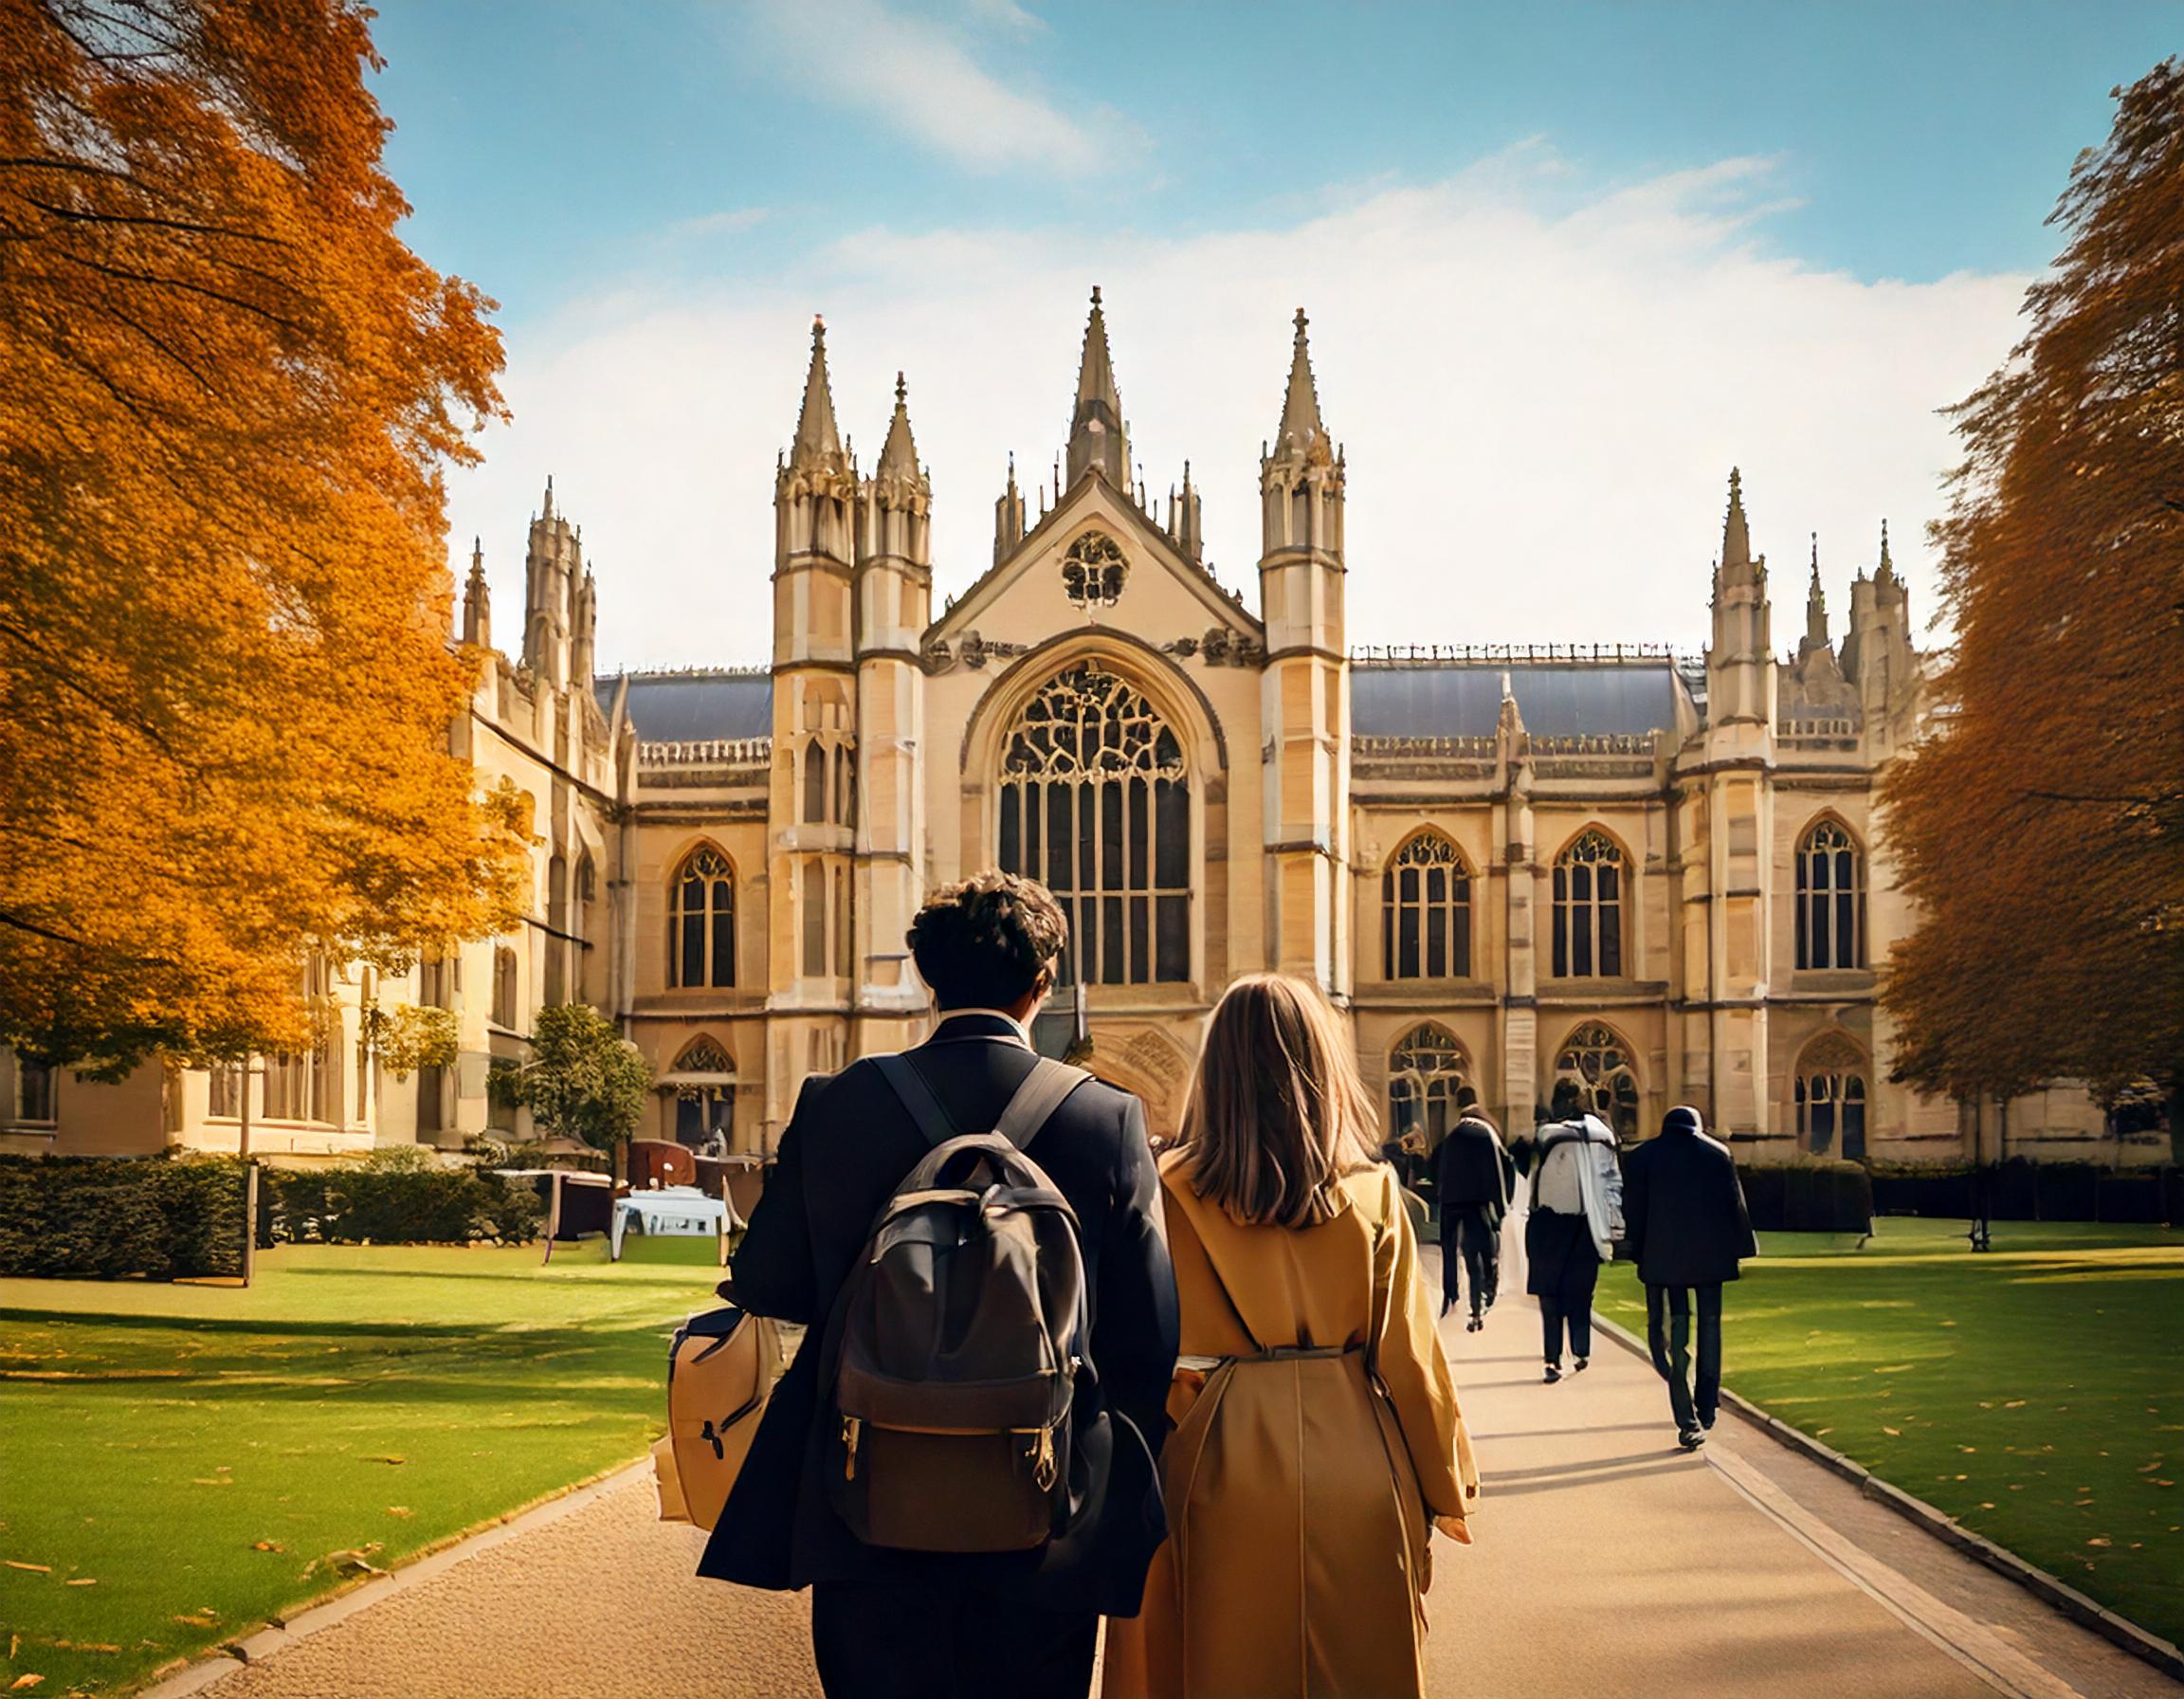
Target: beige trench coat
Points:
(1301, 1488)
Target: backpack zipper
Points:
(851, 1426)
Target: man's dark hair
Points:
(987, 942)
(1567, 1102)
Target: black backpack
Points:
(955, 1346)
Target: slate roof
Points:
(681, 708)
(1463, 699)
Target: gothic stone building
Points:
(1661, 877)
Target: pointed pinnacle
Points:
(899, 453)
(1301, 422)
(1735, 535)
(816, 437)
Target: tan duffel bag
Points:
(720, 1371)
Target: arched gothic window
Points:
(1425, 911)
(1427, 1075)
(1094, 802)
(1831, 1098)
(702, 921)
(1093, 571)
(814, 782)
(1830, 897)
(1598, 1064)
(504, 987)
(1588, 909)
(704, 1094)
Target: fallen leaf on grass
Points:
(267, 1546)
(2098, 1540)
(212, 1480)
(1893, 1432)
(386, 1459)
(402, 1510)
(84, 1646)
(82, 1581)
(24, 1681)
(33, 1568)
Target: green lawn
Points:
(2035, 1393)
(196, 1459)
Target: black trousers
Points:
(1668, 1334)
(888, 1640)
(1470, 1243)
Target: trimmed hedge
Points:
(2024, 1190)
(109, 1218)
(1814, 1197)
(385, 1204)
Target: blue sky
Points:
(1858, 191)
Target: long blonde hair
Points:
(1278, 1112)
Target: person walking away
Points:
(1688, 1230)
(1318, 1438)
(1474, 1181)
(891, 1623)
(1575, 1217)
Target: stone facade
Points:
(1662, 876)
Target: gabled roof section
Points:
(1077, 509)
(693, 707)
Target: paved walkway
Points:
(1608, 1564)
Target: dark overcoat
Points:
(1684, 1220)
(1473, 1167)
(848, 1147)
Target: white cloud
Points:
(916, 75)
(1541, 393)
(733, 221)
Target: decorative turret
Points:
(1187, 524)
(583, 634)
(1741, 659)
(1878, 658)
(1815, 608)
(1888, 586)
(477, 600)
(1300, 477)
(1007, 517)
(1304, 693)
(1098, 440)
(553, 566)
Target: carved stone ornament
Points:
(1220, 646)
(969, 650)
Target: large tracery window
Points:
(1831, 899)
(1831, 1098)
(1425, 911)
(1588, 909)
(1598, 1064)
(702, 921)
(1093, 802)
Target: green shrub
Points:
(109, 1218)
(394, 1202)
(1821, 1194)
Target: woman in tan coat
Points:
(1317, 1437)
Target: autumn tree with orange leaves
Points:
(2041, 828)
(226, 393)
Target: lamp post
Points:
(249, 1177)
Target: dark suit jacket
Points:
(1684, 1221)
(1471, 1167)
(849, 1144)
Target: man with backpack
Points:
(960, 1462)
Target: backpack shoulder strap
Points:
(933, 1123)
(1044, 1091)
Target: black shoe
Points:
(1577, 1365)
(1554, 1373)
(1446, 1307)
(1473, 1324)
(1706, 1421)
(1691, 1439)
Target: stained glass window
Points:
(701, 921)
(1588, 909)
(1094, 802)
(1831, 899)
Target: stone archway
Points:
(1151, 1065)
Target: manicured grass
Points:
(2035, 1393)
(198, 1459)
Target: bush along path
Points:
(184, 1463)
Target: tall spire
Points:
(546, 507)
(1301, 427)
(1098, 440)
(1887, 568)
(817, 441)
(899, 453)
(1736, 537)
(1815, 606)
(477, 600)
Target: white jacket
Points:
(1590, 1161)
